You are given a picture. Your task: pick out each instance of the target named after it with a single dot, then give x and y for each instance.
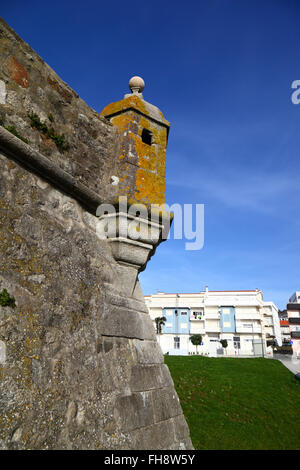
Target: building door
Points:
(236, 344)
(249, 346)
(176, 342)
(212, 347)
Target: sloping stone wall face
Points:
(80, 367)
(92, 140)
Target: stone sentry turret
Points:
(80, 367)
(137, 222)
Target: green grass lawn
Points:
(232, 403)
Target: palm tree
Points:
(159, 321)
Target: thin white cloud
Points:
(248, 188)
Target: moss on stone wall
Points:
(59, 139)
(6, 300)
(14, 131)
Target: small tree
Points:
(159, 321)
(196, 341)
(224, 343)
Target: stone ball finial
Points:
(136, 84)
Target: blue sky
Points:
(221, 72)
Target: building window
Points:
(237, 342)
(226, 310)
(176, 342)
(147, 137)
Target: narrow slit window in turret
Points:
(147, 137)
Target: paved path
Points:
(292, 363)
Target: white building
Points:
(243, 318)
(271, 323)
(295, 297)
(293, 313)
(284, 327)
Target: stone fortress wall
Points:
(80, 367)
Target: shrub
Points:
(6, 300)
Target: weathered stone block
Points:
(166, 404)
(181, 430)
(158, 436)
(147, 352)
(147, 377)
(126, 323)
(134, 411)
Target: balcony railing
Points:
(294, 320)
(212, 316)
(295, 306)
(197, 317)
(198, 331)
(247, 316)
(295, 334)
(212, 329)
(250, 330)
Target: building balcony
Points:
(243, 329)
(286, 340)
(294, 306)
(247, 316)
(197, 331)
(295, 334)
(268, 327)
(267, 313)
(212, 316)
(212, 329)
(294, 320)
(197, 318)
(269, 335)
(286, 337)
